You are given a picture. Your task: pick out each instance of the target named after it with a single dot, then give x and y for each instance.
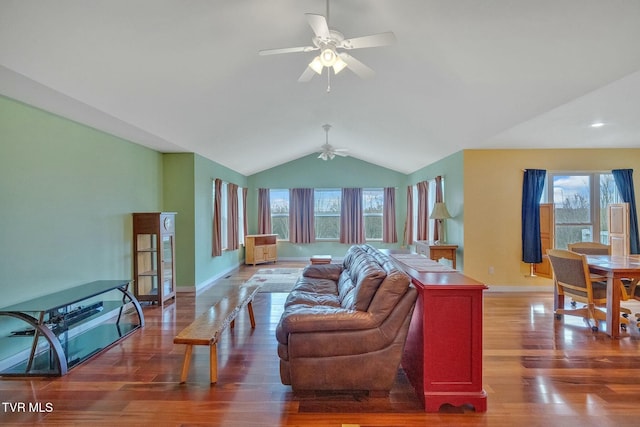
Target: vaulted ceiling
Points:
(185, 75)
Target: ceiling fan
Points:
(328, 151)
(332, 45)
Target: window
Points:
(327, 213)
(280, 213)
(224, 229)
(224, 220)
(431, 200)
(327, 203)
(372, 207)
(240, 217)
(580, 206)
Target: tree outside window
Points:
(580, 206)
(327, 213)
(280, 213)
(372, 206)
(327, 203)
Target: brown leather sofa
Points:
(344, 325)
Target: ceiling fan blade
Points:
(306, 75)
(374, 40)
(356, 66)
(318, 24)
(287, 50)
(340, 153)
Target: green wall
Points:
(208, 267)
(311, 172)
(451, 168)
(178, 195)
(67, 192)
(188, 190)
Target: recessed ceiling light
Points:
(597, 125)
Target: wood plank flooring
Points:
(537, 372)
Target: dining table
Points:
(614, 268)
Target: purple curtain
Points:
(301, 221)
(389, 232)
(216, 241)
(439, 199)
(408, 225)
(351, 216)
(423, 210)
(264, 211)
(232, 217)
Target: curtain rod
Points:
(432, 179)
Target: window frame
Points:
(431, 200)
(224, 215)
(316, 214)
(596, 208)
(285, 192)
(224, 221)
(241, 230)
(337, 214)
(380, 214)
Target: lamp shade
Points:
(439, 211)
(316, 65)
(339, 65)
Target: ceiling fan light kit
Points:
(333, 46)
(328, 42)
(328, 152)
(328, 59)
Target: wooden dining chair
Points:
(571, 277)
(597, 248)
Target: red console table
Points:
(443, 353)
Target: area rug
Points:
(276, 279)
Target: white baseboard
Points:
(206, 283)
(512, 289)
(334, 260)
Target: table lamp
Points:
(440, 213)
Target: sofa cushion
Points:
(312, 291)
(322, 286)
(323, 271)
(312, 299)
(345, 286)
(367, 276)
(389, 293)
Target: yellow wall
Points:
(493, 200)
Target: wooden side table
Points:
(320, 259)
(436, 252)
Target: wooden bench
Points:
(207, 328)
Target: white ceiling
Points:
(184, 75)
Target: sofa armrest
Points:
(314, 319)
(323, 271)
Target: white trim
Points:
(206, 283)
(334, 260)
(512, 289)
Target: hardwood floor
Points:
(537, 372)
